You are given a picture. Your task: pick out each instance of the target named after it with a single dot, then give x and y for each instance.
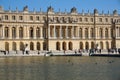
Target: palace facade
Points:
(51, 30)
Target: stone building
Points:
(52, 30)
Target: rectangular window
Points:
(31, 17)
(80, 19)
(106, 19)
(6, 17)
(37, 18)
(20, 17)
(13, 17)
(100, 19)
(86, 19)
(91, 19)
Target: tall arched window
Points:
(6, 32)
(21, 46)
(38, 32)
(80, 32)
(38, 46)
(6, 46)
(81, 45)
(44, 46)
(14, 46)
(63, 32)
(64, 45)
(107, 45)
(92, 45)
(86, 33)
(70, 45)
(86, 45)
(57, 32)
(106, 33)
(20, 32)
(101, 33)
(13, 32)
(31, 46)
(75, 30)
(92, 33)
(58, 46)
(69, 32)
(31, 32)
(101, 45)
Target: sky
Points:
(62, 5)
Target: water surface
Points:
(59, 68)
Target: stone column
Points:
(83, 33)
(73, 35)
(60, 32)
(109, 32)
(49, 31)
(66, 32)
(54, 31)
(77, 32)
(41, 32)
(18, 46)
(103, 33)
(89, 33)
(10, 32)
(116, 32)
(17, 32)
(35, 46)
(3, 32)
(34, 32)
(96, 33)
(41, 46)
(25, 32)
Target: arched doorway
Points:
(70, 45)
(81, 45)
(58, 46)
(14, 46)
(101, 45)
(87, 45)
(6, 46)
(38, 46)
(64, 45)
(31, 46)
(92, 45)
(107, 45)
(21, 46)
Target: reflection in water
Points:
(59, 68)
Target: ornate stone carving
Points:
(25, 8)
(73, 10)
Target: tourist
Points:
(119, 50)
(75, 52)
(38, 52)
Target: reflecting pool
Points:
(59, 68)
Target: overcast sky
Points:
(106, 5)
